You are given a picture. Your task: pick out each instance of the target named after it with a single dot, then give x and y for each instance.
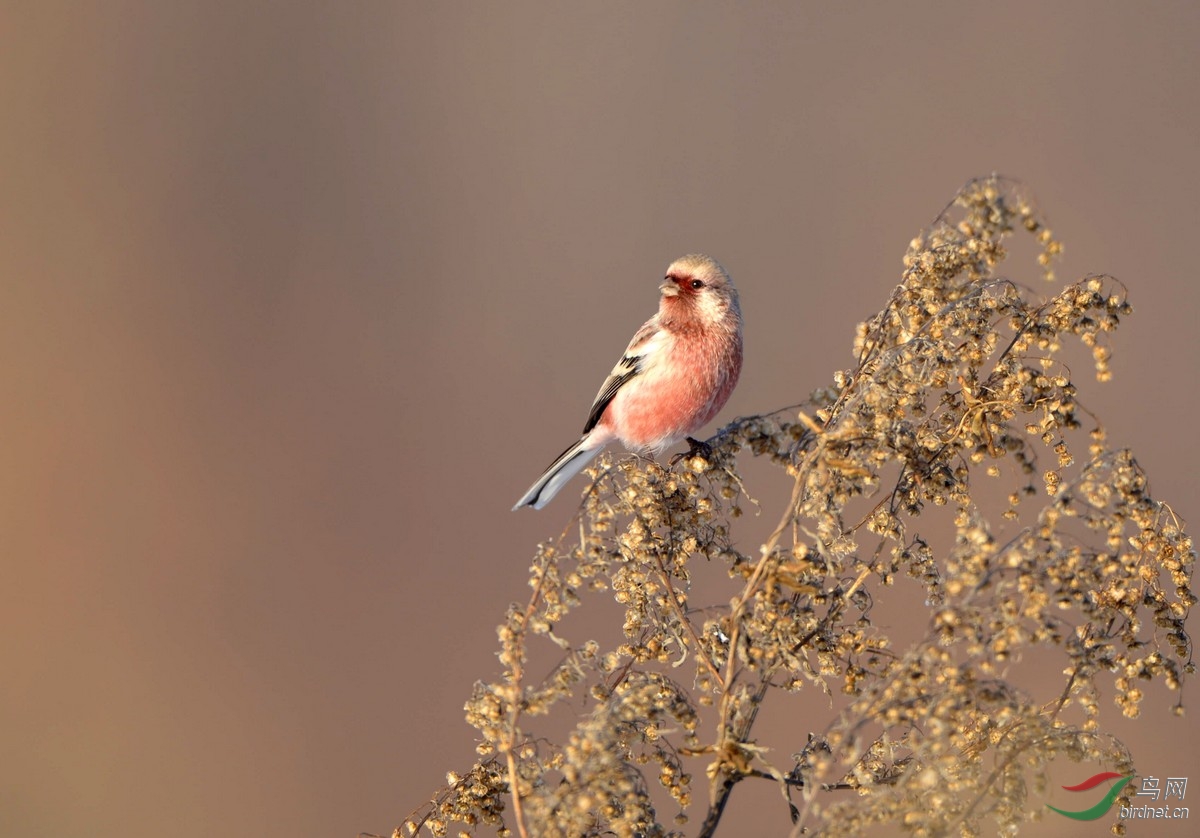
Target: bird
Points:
(673, 378)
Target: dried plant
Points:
(958, 388)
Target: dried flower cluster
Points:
(958, 385)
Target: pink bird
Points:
(675, 376)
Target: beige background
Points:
(298, 299)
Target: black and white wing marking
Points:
(631, 364)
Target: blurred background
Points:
(299, 298)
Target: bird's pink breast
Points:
(678, 396)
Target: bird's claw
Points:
(696, 447)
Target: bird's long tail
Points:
(565, 466)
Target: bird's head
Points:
(696, 286)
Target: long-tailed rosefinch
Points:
(675, 375)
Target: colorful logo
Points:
(1105, 803)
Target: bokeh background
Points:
(298, 299)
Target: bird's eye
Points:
(697, 284)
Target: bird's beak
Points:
(669, 288)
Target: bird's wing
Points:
(632, 362)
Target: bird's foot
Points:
(696, 448)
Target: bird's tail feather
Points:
(565, 466)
